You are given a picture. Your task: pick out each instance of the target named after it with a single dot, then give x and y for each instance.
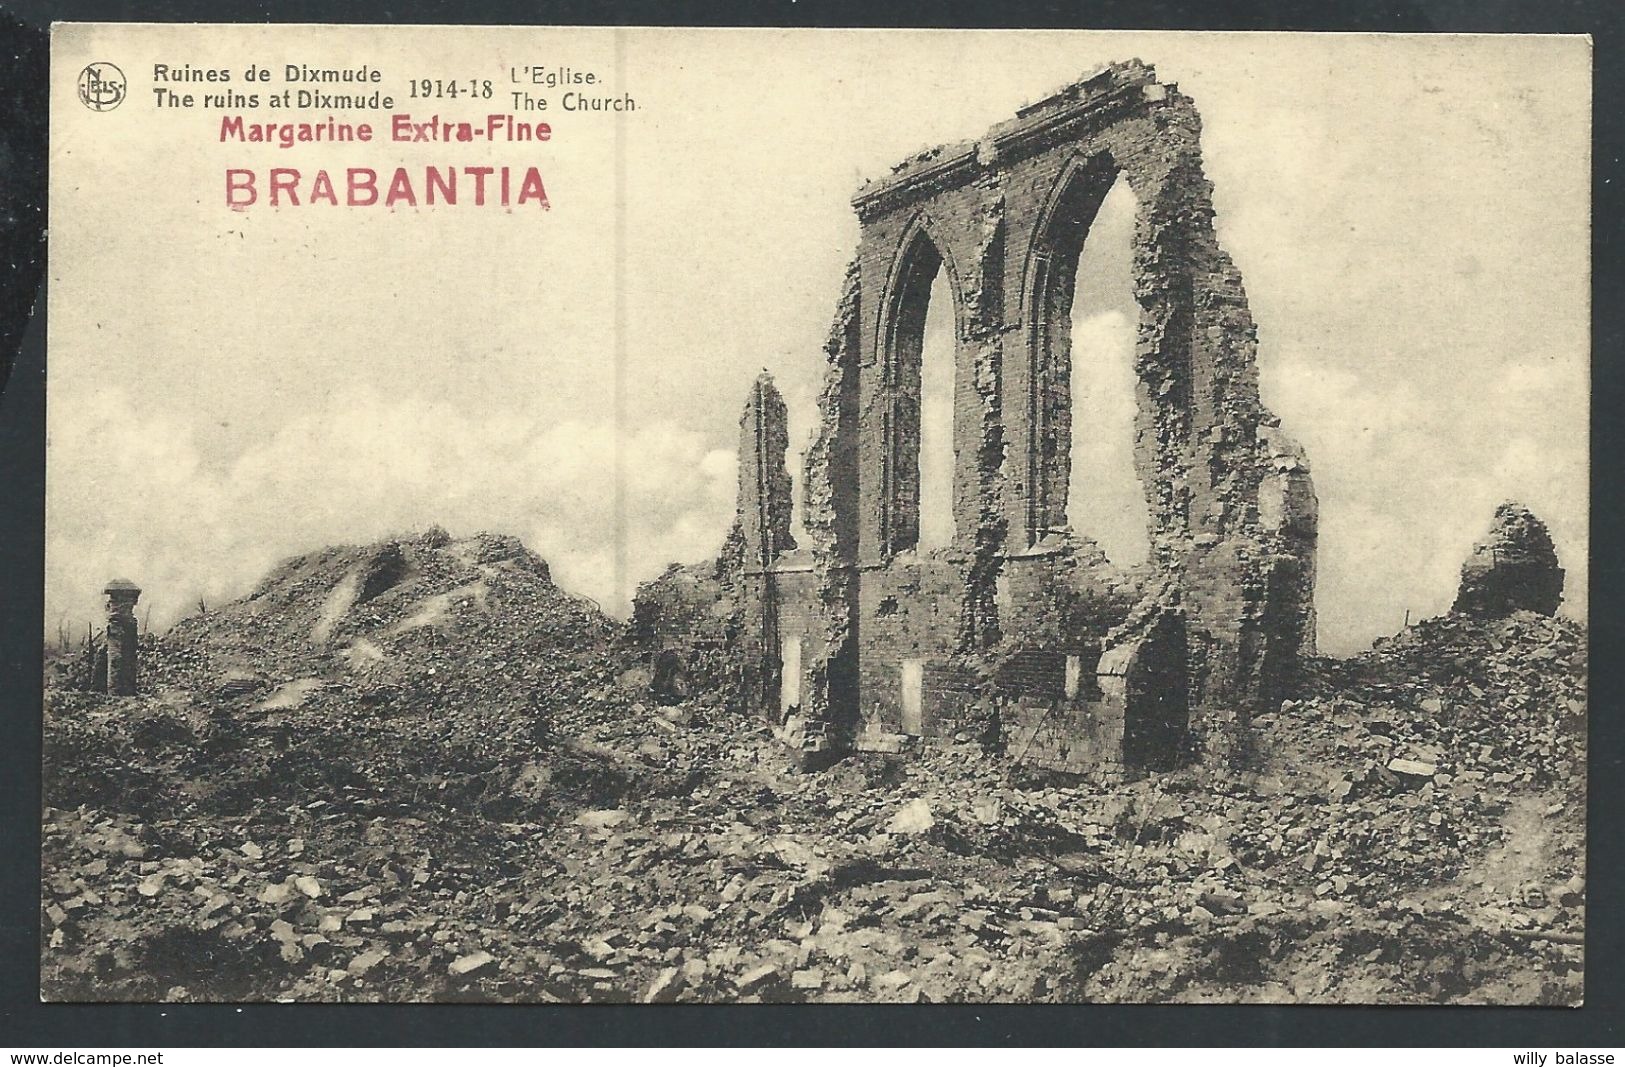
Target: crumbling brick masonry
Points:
(871, 642)
(1514, 568)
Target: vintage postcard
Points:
(666, 515)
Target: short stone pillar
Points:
(1514, 568)
(121, 636)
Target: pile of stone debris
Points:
(418, 825)
(1503, 697)
(424, 625)
(936, 879)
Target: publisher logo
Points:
(101, 87)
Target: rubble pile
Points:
(425, 824)
(426, 692)
(470, 628)
(1504, 697)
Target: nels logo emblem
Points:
(101, 87)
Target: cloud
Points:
(141, 502)
(1409, 478)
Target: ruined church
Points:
(861, 639)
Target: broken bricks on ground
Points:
(411, 825)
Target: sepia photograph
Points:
(736, 516)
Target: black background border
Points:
(25, 1022)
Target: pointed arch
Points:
(919, 254)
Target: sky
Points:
(226, 389)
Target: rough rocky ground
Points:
(420, 771)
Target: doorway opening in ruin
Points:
(913, 678)
(1086, 325)
(921, 355)
(789, 676)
